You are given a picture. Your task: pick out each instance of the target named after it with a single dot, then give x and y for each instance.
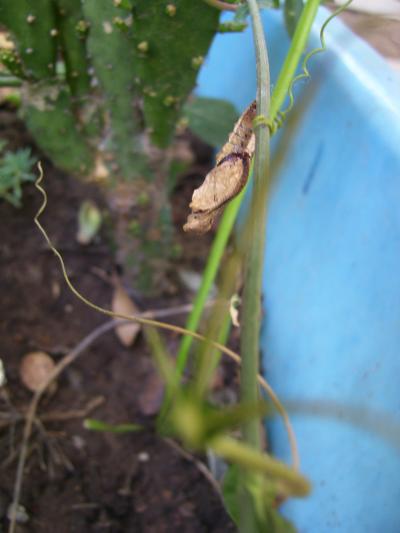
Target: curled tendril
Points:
(273, 125)
(278, 121)
(305, 73)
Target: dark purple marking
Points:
(244, 156)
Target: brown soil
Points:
(77, 480)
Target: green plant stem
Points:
(237, 452)
(218, 325)
(254, 262)
(293, 56)
(257, 218)
(209, 274)
(10, 81)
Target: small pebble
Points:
(78, 442)
(143, 457)
(35, 369)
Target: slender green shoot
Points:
(98, 425)
(209, 274)
(292, 59)
(254, 261)
(257, 218)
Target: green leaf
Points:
(230, 485)
(98, 425)
(15, 169)
(289, 480)
(268, 517)
(292, 12)
(211, 119)
(273, 522)
(89, 222)
(217, 421)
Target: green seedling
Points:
(15, 171)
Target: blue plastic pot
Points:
(331, 334)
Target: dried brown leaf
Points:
(242, 137)
(151, 392)
(222, 184)
(202, 222)
(124, 305)
(227, 178)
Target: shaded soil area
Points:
(77, 480)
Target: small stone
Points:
(143, 457)
(78, 442)
(35, 370)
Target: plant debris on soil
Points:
(76, 480)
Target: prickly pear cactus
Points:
(33, 26)
(111, 50)
(112, 74)
(171, 41)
